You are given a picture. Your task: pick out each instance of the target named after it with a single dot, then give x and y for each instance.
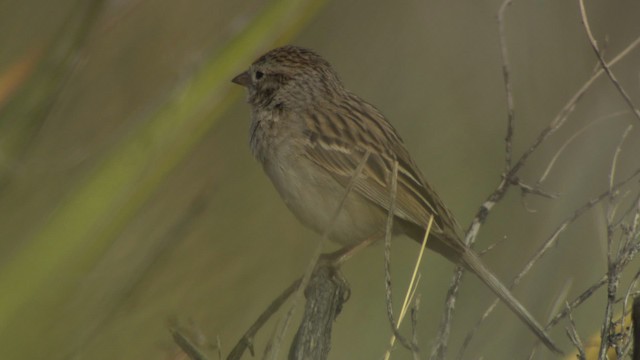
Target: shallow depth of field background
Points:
(199, 236)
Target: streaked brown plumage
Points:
(310, 134)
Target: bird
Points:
(315, 139)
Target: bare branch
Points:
(574, 337)
(614, 162)
(326, 293)
(187, 345)
(603, 63)
(246, 341)
(581, 131)
(546, 246)
(387, 267)
(440, 347)
(506, 75)
(577, 301)
(535, 190)
(551, 241)
(414, 324)
(614, 268)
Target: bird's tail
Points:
(472, 262)
(450, 246)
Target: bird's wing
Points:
(339, 138)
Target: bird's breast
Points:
(272, 132)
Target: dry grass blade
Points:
(387, 262)
(411, 290)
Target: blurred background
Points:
(129, 199)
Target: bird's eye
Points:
(259, 75)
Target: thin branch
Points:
(603, 63)
(612, 287)
(187, 345)
(587, 293)
(568, 108)
(577, 302)
(575, 135)
(492, 246)
(415, 275)
(535, 190)
(614, 162)
(625, 314)
(614, 269)
(246, 341)
(414, 324)
(551, 241)
(559, 302)
(546, 246)
(574, 336)
(507, 180)
(634, 207)
(387, 267)
(506, 75)
(440, 348)
(411, 292)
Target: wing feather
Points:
(358, 127)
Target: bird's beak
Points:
(243, 79)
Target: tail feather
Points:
(473, 263)
(452, 248)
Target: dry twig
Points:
(510, 178)
(603, 63)
(574, 336)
